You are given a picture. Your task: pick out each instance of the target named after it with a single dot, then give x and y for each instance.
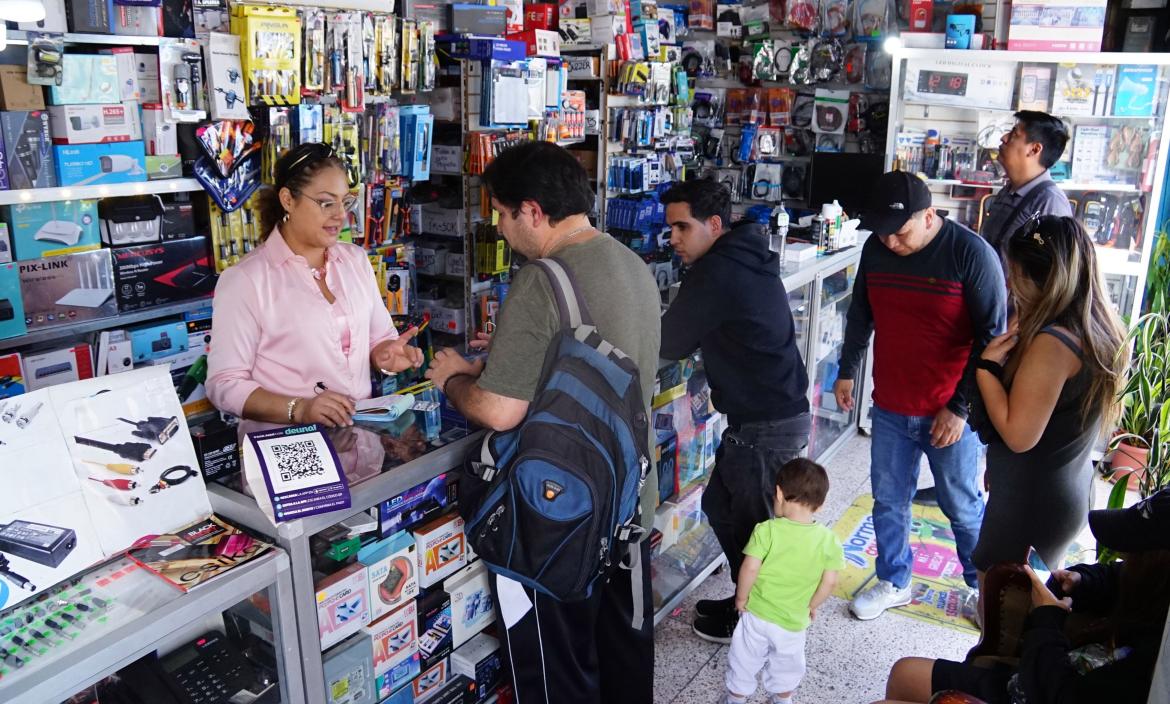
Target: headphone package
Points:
(830, 111)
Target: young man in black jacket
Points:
(732, 305)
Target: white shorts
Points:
(759, 645)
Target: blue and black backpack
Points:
(553, 502)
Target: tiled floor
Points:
(848, 660)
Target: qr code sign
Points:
(298, 460)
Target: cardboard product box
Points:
(60, 366)
(88, 78)
(217, 446)
(539, 42)
(11, 310)
(1041, 25)
(343, 605)
(100, 164)
(395, 638)
(576, 31)
(431, 681)
(484, 20)
(440, 546)
(164, 272)
(430, 257)
(434, 627)
(472, 606)
(137, 21)
(92, 124)
(161, 137)
(450, 222)
(11, 375)
(392, 569)
(178, 220)
(28, 150)
(90, 16)
(163, 166)
(666, 462)
(541, 15)
(154, 341)
(127, 72)
(178, 20)
(349, 672)
(148, 86)
(67, 289)
(418, 504)
(53, 228)
(6, 252)
(16, 93)
(479, 660)
(456, 264)
(456, 690)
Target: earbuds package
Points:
(87, 164)
(87, 78)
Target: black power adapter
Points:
(37, 542)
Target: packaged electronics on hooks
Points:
(834, 18)
(830, 111)
(184, 95)
(225, 78)
(804, 16)
(427, 61)
(28, 149)
(344, 46)
(46, 55)
(270, 46)
(409, 55)
(315, 51)
(386, 40)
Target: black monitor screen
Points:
(844, 177)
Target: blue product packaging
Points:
(87, 79)
(159, 340)
(48, 229)
(11, 308)
(415, 505)
(1137, 86)
(28, 150)
(100, 164)
(959, 31)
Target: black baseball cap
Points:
(895, 196)
(1143, 526)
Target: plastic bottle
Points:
(780, 222)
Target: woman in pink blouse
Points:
(299, 321)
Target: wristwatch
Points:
(995, 368)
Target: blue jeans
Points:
(898, 445)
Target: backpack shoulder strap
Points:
(570, 305)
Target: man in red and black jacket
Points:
(932, 293)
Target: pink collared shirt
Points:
(274, 329)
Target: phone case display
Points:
(270, 45)
(184, 96)
(395, 639)
(111, 459)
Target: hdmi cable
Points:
(136, 451)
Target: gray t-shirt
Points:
(623, 301)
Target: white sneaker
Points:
(873, 601)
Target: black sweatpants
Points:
(585, 652)
(742, 487)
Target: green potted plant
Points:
(1142, 443)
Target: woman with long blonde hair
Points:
(1047, 385)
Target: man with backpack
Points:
(732, 305)
(588, 639)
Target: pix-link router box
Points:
(67, 289)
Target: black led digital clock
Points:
(942, 82)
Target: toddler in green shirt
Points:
(790, 566)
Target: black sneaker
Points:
(716, 629)
(715, 607)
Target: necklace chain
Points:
(564, 238)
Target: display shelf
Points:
(49, 195)
(293, 537)
(680, 583)
(1063, 185)
(126, 641)
(20, 38)
(123, 319)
